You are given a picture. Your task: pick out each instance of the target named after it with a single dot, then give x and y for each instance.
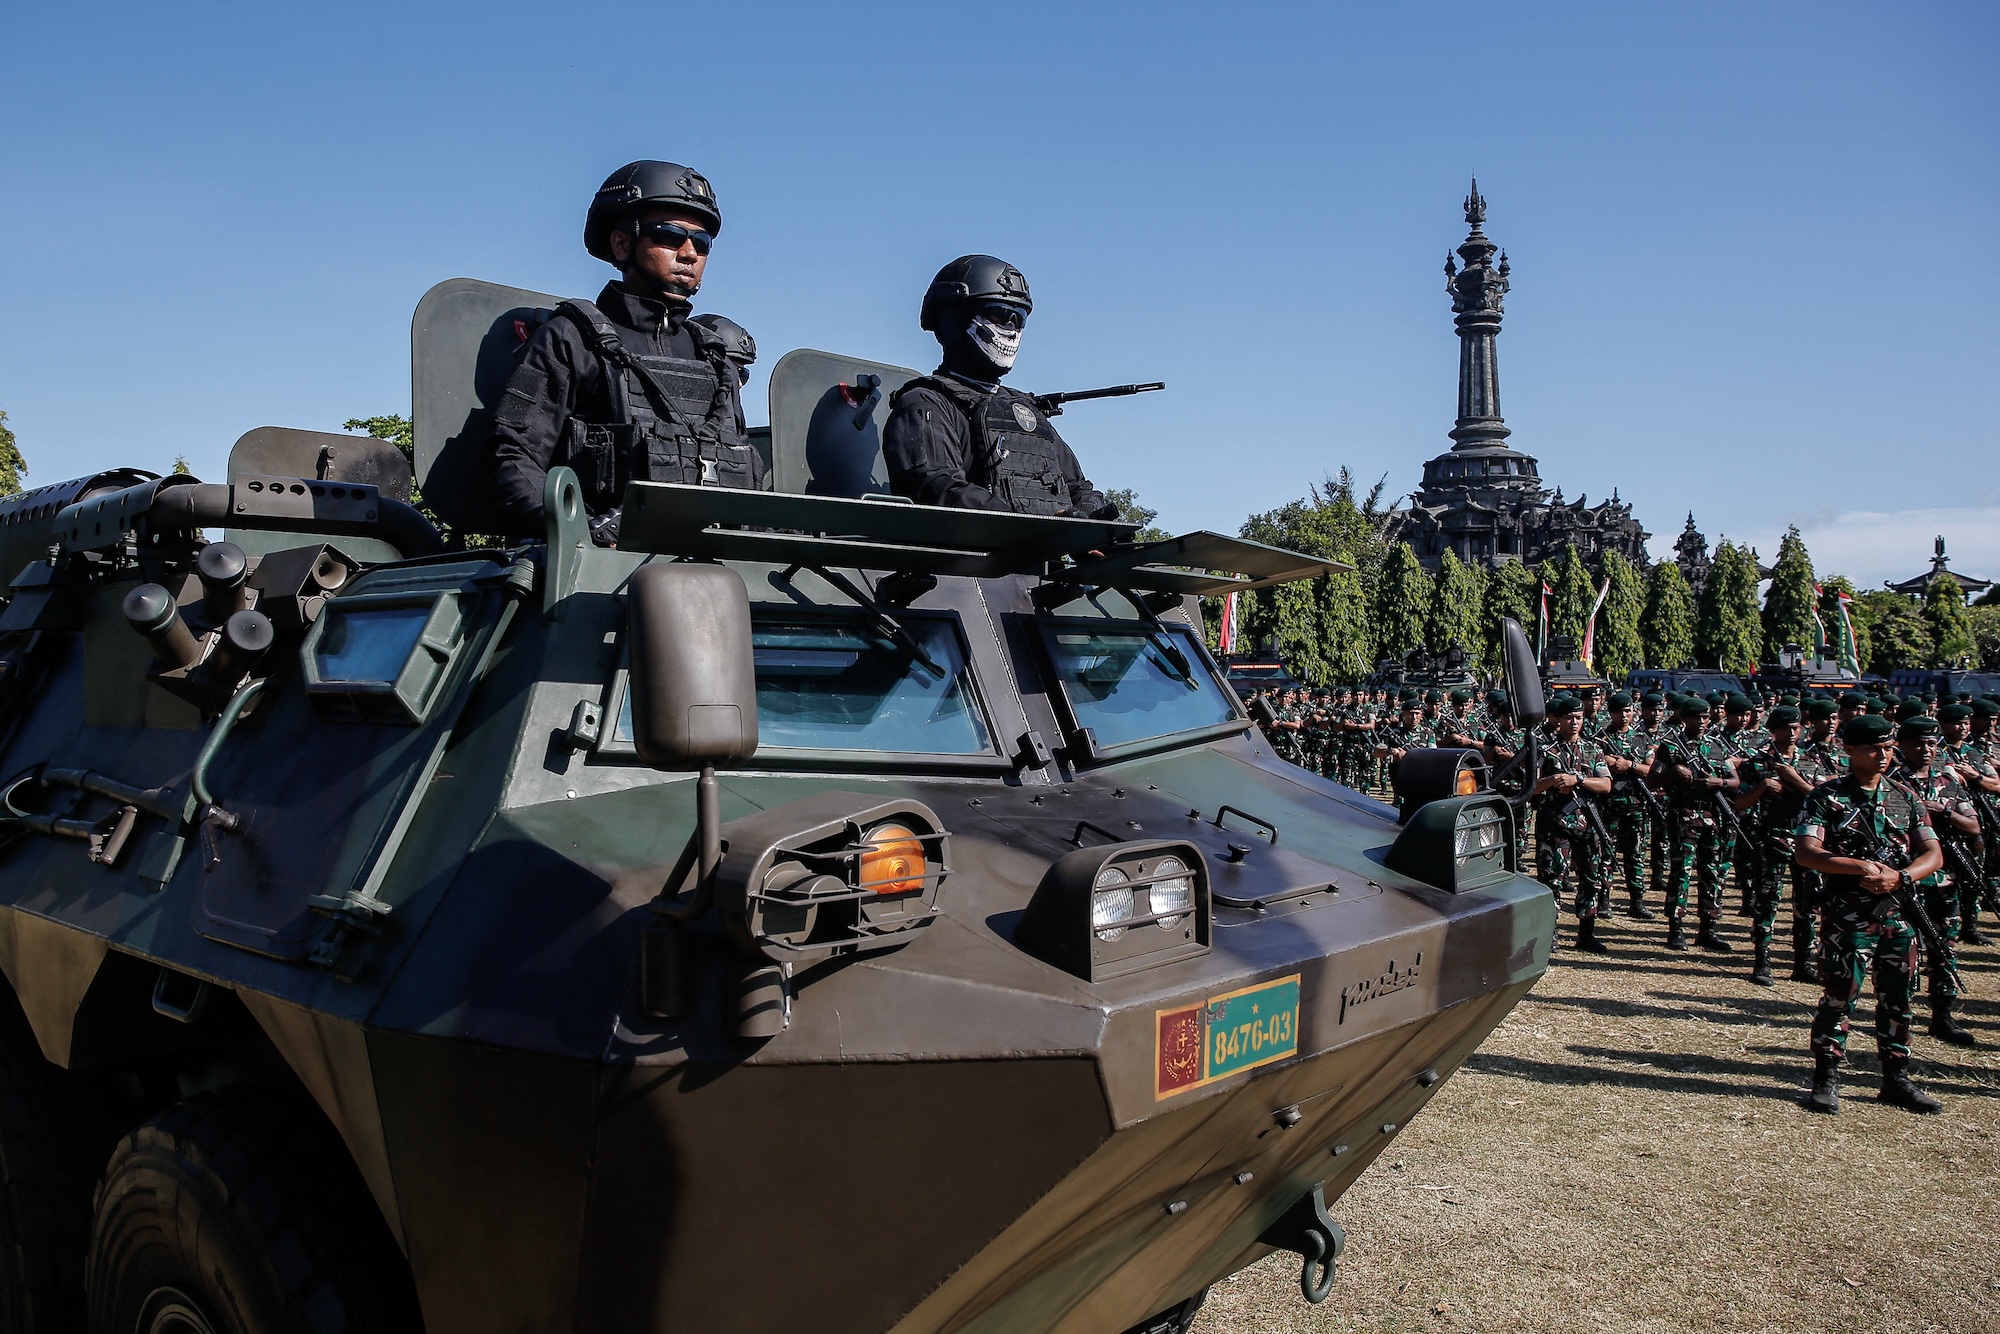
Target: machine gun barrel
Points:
(1051, 405)
(1729, 818)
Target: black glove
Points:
(604, 528)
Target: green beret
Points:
(1691, 705)
(1867, 729)
(1819, 708)
(1985, 708)
(1432, 697)
(1716, 697)
(1496, 699)
(1954, 713)
(1783, 713)
(1461, 697)
(1908, 709)
(1564, 704)
(1652, 697)
(1409, 704)
(1621, 700)
(1852, 699)
(1917, 727)
(1407, 696)
(1874, 707)
(1735, 703)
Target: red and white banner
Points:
(1590, 626)
(1227, 640)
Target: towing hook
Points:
(1306, 1229)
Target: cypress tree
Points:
(1788, 603)
(1620, 647)
(1457, 607)
(1510, 592)
(1952, 644)
(1727, 631)
(1571, 591)
(12, 465)
(1666, 626)
(1402, 602)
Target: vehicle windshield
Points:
(1134, 684)
(836, 685)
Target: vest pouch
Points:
(591, 450)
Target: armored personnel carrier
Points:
(818, 913)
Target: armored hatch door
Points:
(827, 414)
(463, 341)
(343, 745)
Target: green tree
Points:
(1319, 626)
(1727, 631)
(12, 465)
(1458, 601)
(1571, 591)
(1131, 511)
(1898, 634)
(1619, 644)
(1666, 626)
(1985, 621)
(402, 433)
(1951, 633)
(1788, 603)
(1401, 604)
(1511, 592)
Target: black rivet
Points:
(1428, 1078)
(1237, 852)
(1176, 1208)
(1117, 791)
(1388, 1127)
(1244, 1178)
(1194, 815)
(1339, 1149)
(1288, 1116)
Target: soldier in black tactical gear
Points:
(959, 437)
(627, 388)
(737, 344)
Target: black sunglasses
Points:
(674, 235)
(1005, 316)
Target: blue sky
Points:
(1750, 242)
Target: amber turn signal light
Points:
(894, 860)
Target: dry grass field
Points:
(1627, 1152)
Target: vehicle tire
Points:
(45, 1177)
(1176, 1320)
(239, 1212)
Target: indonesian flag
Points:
(1590, 626)
(1542, 625)
(1228, 636)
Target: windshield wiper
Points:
(884, 624)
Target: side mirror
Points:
(693, 684)
(1524, 678)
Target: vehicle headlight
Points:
(1174, 896)
(1457, 843)
(1110, 903)
(1090, 913)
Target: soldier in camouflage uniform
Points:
(1693, 767)
(1654, 725)
(1869, 836)
(1772, 786)
(1288, 732)
(1567, 843)
(1455, 727)
(1739, 732)
(1953, 819)
(1975, 770)
(1627, 753)
(1409, 732)
(1824, 752)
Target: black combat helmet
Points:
(737, 344)
(972, 280)
(637, 184)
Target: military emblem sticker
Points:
(1026, 416)
(1195, 1045)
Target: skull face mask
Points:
(997, 344)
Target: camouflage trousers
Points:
(1699, 860)
(1563, 856)
(1853, 946)
(1808, 895)
(1631, 831)
(1763, 868)
(1941, 904)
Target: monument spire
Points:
(1477, 294)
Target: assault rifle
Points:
(1051, 405)
(1634, 785)
(1878, 849)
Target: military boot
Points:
(1586, 937)
(1946, 1029)
(1970, 934)
(1676, 934)
(1825, 1095)
(1708, 940)
(1803, 967)
(1639, 912)
(1898, 1091)
(1760, 969)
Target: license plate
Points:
(1226, 1035)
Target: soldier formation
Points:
(1878, 818)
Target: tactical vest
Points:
(1016, 453)
(673, 420)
